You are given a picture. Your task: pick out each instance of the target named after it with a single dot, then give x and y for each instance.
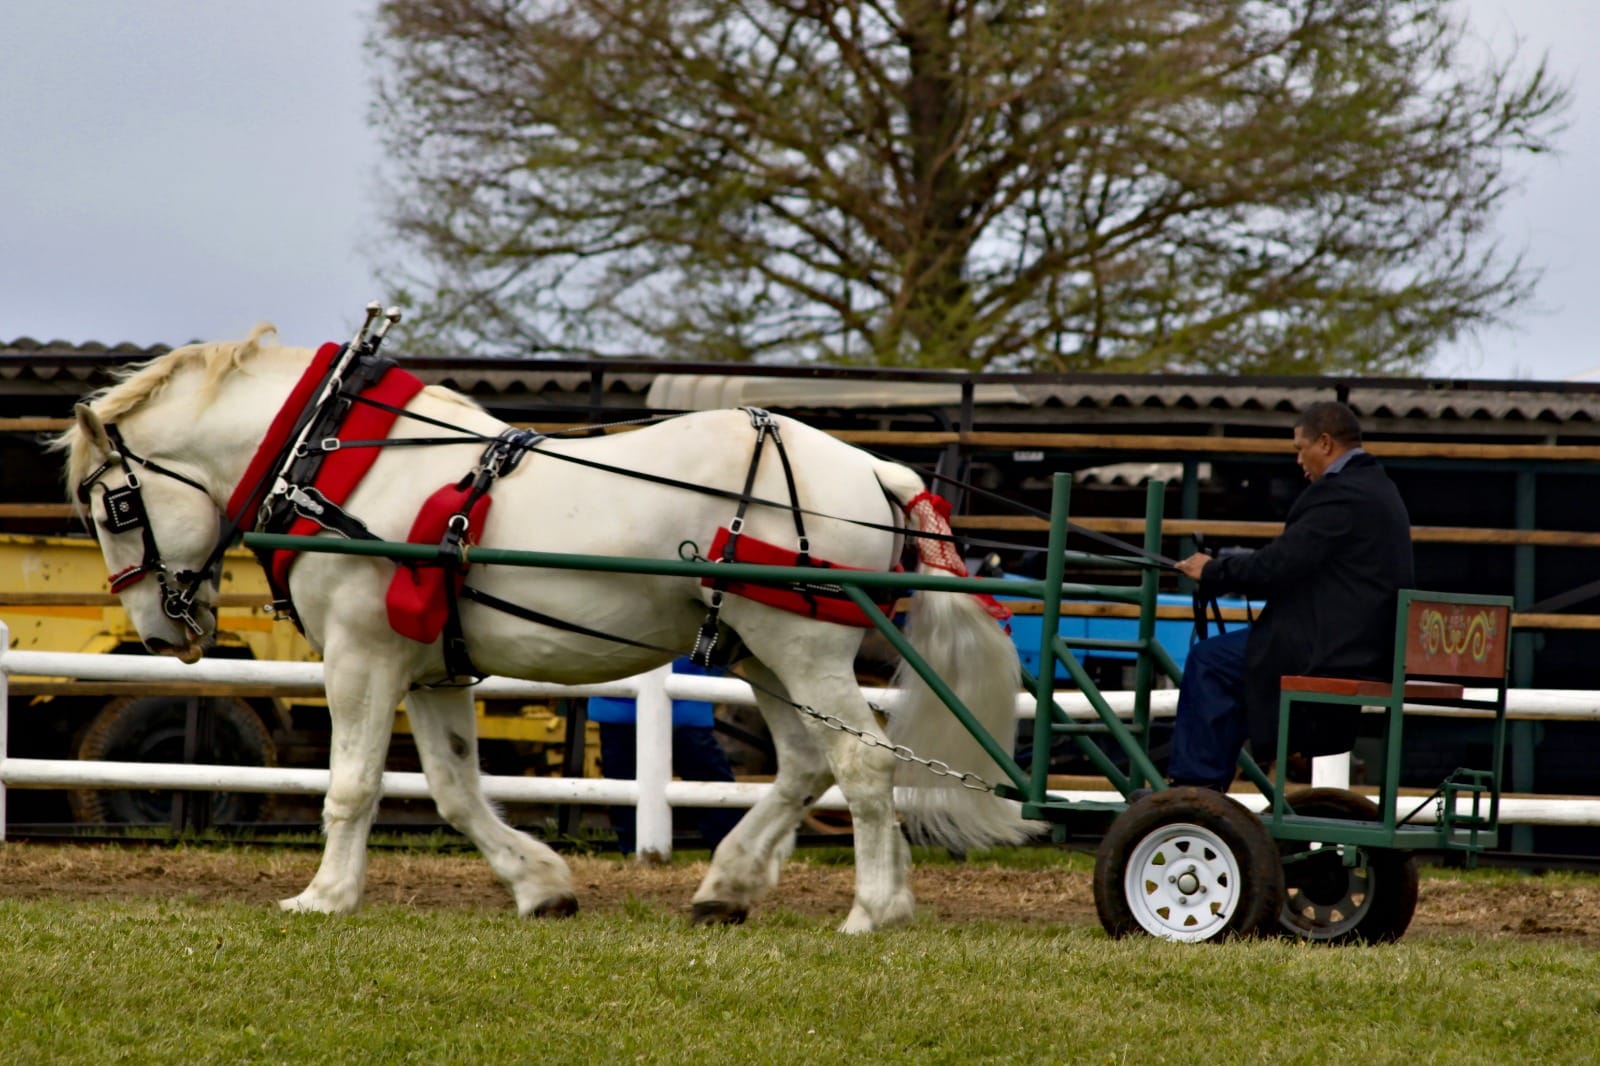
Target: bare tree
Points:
(1231, 185)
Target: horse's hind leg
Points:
(866, 777)
(816, 669)
(444, 726)
(747, 861)
(361, 704)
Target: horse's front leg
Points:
(445, 727)
(361, 703)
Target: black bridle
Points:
(126, 511)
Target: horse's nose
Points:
(188, 653)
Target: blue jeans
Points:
(697, 755)
(1212, 723)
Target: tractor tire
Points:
(151, 729)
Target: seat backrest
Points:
(1455, 636)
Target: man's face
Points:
(1313, 453)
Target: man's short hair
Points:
(1333, 418)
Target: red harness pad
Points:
(826, 608)
(416, 599)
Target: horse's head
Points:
(147, 459)
(158, 529)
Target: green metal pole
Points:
(759, 574)
(1044, 694)
(1138, 761)
(1189, 506)
(1144, 672)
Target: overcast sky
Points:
(181, 169)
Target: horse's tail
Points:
(963, 642)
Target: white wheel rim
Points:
(1182, 882)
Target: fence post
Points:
(5, 720)
(653, 766)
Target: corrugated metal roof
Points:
(1555, 405)
(1519, 407)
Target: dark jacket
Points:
(1331, 582)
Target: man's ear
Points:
(91, 428)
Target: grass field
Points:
(180, 979)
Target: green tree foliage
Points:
(1229, 185)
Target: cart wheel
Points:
(1326, 901)
(151, 729)
(1187, 864)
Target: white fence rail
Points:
(652, 792)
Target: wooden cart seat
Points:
(1347, 686)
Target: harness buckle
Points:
(303, 502)
(325, 446)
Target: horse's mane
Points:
(137, 385)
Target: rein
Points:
(465, 435)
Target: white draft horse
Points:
(190, 422)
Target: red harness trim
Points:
(748, 549)
(257, 480)
(127, 577)
(342, 470)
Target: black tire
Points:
(1188, 864)
(151, 729)
(1328, 902)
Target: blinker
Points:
(124, 507)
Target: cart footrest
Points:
(1477, 784)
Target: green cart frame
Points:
(1181, 863)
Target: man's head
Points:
(1325, 430)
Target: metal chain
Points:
(965, 778)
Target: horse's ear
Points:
(91, 428)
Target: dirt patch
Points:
(1556, 908)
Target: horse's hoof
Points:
(715, 912)
(563, 906)
(307, 903)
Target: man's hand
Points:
(1193, 566)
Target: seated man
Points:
(1331, 582)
